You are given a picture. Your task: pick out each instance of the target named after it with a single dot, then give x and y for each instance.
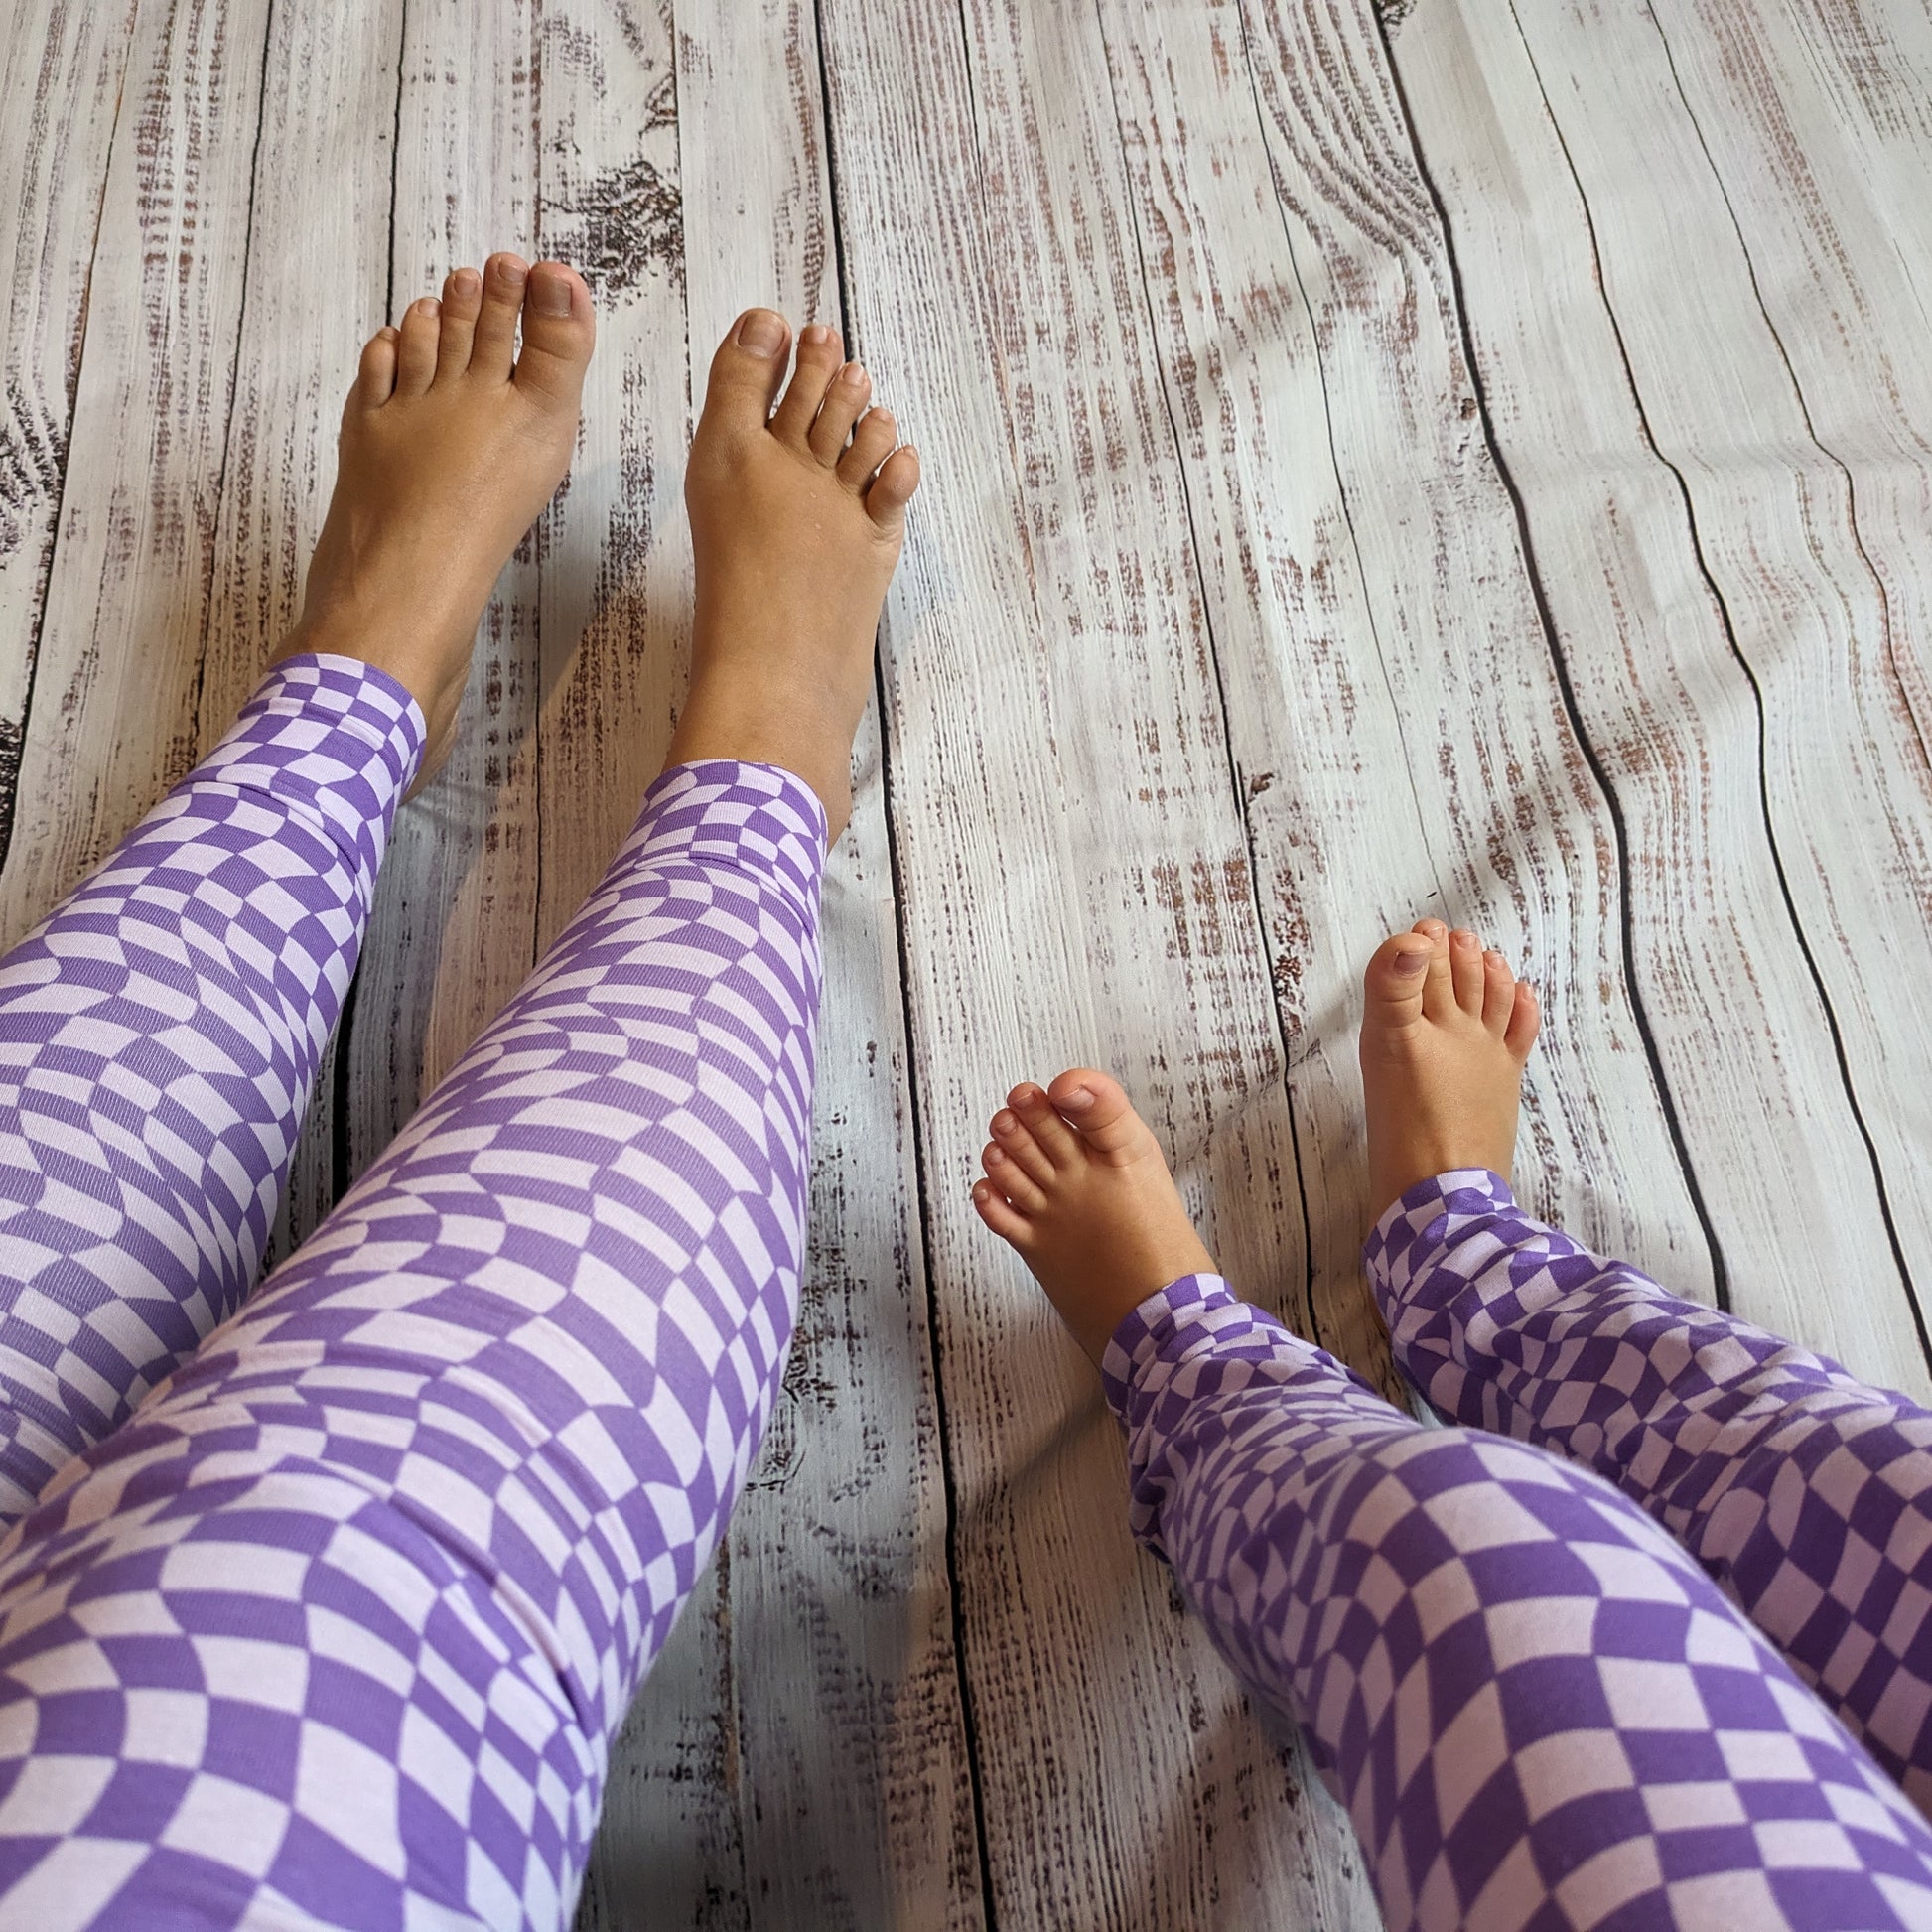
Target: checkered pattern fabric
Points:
(159, 1036)
(1537, 1708)
(1806, 1493)
(335, 1628)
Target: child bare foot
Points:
(796, 521)
(1076, 1184)
(1445, 1035)
(452, 442)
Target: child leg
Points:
(1806, 1494)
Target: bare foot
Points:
(452, 442)
(1077, 1185)
(796, 523)
(1446, 1036)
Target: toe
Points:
(416, 353)
(1465, 971)
(376, 374)
(1057, 1141)
(1438, 981)
(820, 354)
(559, 330)
(1015, 1139)
(1393, 984)
(1498, 992)
(999, 1214)
(891, 490)
(492, 348)
(1101, 1110)
(844, 404)
(1012, 1180)
(1525, 1022)
(461, 297)
(746, 373)
(873, 441)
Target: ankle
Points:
(794, 729)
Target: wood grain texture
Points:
(1683, 588)
(1380, 460)
(125, 608)
(61, 78)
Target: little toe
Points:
(1393, 984)
(1015, 1140)
(873, 441)
(559, 332)
(1100, 1111)
(375, 373)
(746, 373)
(493, 347)
(845, 401)
(1057, 1141)
(1498, 992)
(1012, 1180)
(1465, 971)
(461, 298)
(1525, 1021)
(820, 356)
(999, 1214)
(415, 352)
(893, 488)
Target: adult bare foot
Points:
(451, 441)
(1445, 1035)
(1077, 1185)
(796, 523)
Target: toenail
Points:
(512, 272)
(1078, 1098)
(993, 1153)
(466, 281)
(429, 306)
(761, 332)
(854, 375)
(550, 295)
(1410, 962)
(1004, 1122)
(1466, 940)
(817, 334)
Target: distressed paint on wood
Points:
(1227, 333)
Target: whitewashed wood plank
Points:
(1518, 831)
(113, 719)
(1622, 552)
(61, 79)
(315, 289)
(454, 931)
(1097, 1706)
(855, 1788)
(1806, 193)
(1173, 941)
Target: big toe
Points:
(746, 372)
(1395, 979)
(559, 331)
(1099, 1108)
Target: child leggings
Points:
(322, 1609)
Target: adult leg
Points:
(340, 1624)
(1806, 1493)
(1537, 1709)
(159, 1032)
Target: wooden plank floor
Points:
(1421, 456)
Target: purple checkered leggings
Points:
(322, 1609)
